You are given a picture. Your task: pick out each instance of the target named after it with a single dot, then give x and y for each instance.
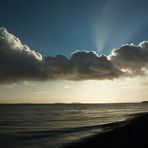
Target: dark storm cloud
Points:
(58, 67)
(18, 62)
(82, 65)
(88, 65)
(131, 58)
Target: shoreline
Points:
(131, 133)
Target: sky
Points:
(102, 48)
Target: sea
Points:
(55, 125)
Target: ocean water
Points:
(53, 125)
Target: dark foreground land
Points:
(134, 134)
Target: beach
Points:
(132, 133)
(73, 125)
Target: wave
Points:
(59, 136)
(60, 132)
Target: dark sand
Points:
(131, 134)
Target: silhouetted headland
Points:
(144, 102)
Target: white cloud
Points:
(20, 63)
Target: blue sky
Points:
(54, 27)
(61, 26)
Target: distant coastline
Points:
(72, 103)
(144, 102)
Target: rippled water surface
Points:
(56, 124)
